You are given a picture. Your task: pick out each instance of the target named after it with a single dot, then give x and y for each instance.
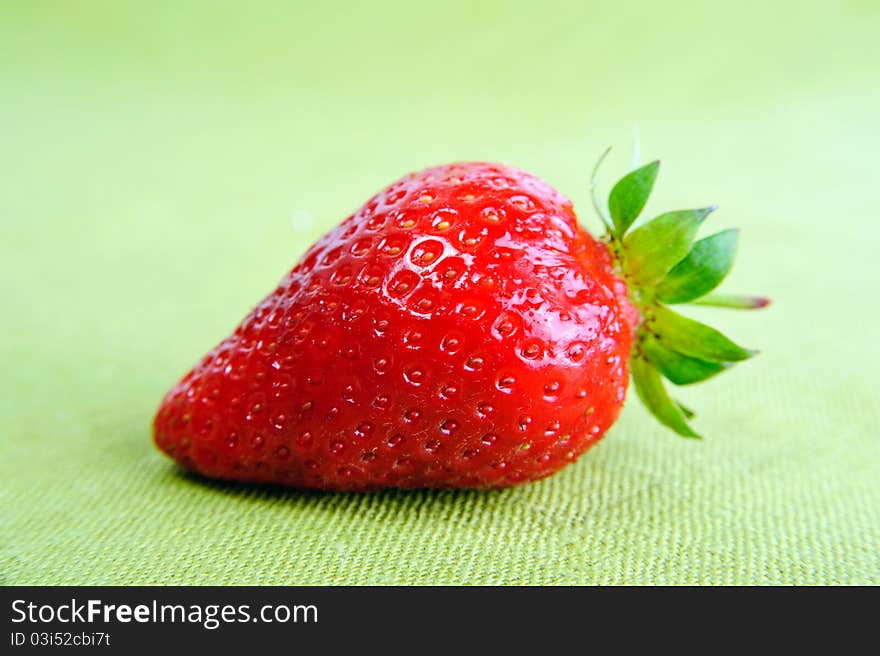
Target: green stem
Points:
(734, 302)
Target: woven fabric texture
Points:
(163, 164)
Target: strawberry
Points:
(459, 330)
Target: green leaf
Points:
(733, 302)
(629, 195)
(690, 414)
(677, 368)
(651, 391)
(705, 266)
(693, 338)
(654, 248)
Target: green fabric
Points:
(163, 164)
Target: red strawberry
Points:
(460, 330)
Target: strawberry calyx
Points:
(663, 264)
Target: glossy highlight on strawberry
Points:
(459, 330)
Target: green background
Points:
(163, 164)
